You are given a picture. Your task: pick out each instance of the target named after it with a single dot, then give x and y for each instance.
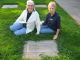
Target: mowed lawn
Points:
(11, 46)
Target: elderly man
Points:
(27, 21)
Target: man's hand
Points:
(24, 24)
(55, 37)
(37, 33)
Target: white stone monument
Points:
(34, 50)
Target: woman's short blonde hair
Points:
(52, 3)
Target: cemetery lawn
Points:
(11, 46)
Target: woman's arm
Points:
(46, 20)
(56, 34)
(58, 28)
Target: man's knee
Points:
(11, 28)
(17, 33)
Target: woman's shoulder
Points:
(57, 14)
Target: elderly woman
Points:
(27, 21)
(52, 22)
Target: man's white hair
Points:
(30, 2)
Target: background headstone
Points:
(41, 6)
(9, 6)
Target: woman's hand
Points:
(56, 35)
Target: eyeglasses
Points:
(30, 5)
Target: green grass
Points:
(17, 1)
(11, 46)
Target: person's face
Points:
(51, 8)
(30, 7)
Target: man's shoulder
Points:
(24, 11)
(36, 13)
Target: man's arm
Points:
(37, 24)
(20, 18)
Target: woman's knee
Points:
(46, 30)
